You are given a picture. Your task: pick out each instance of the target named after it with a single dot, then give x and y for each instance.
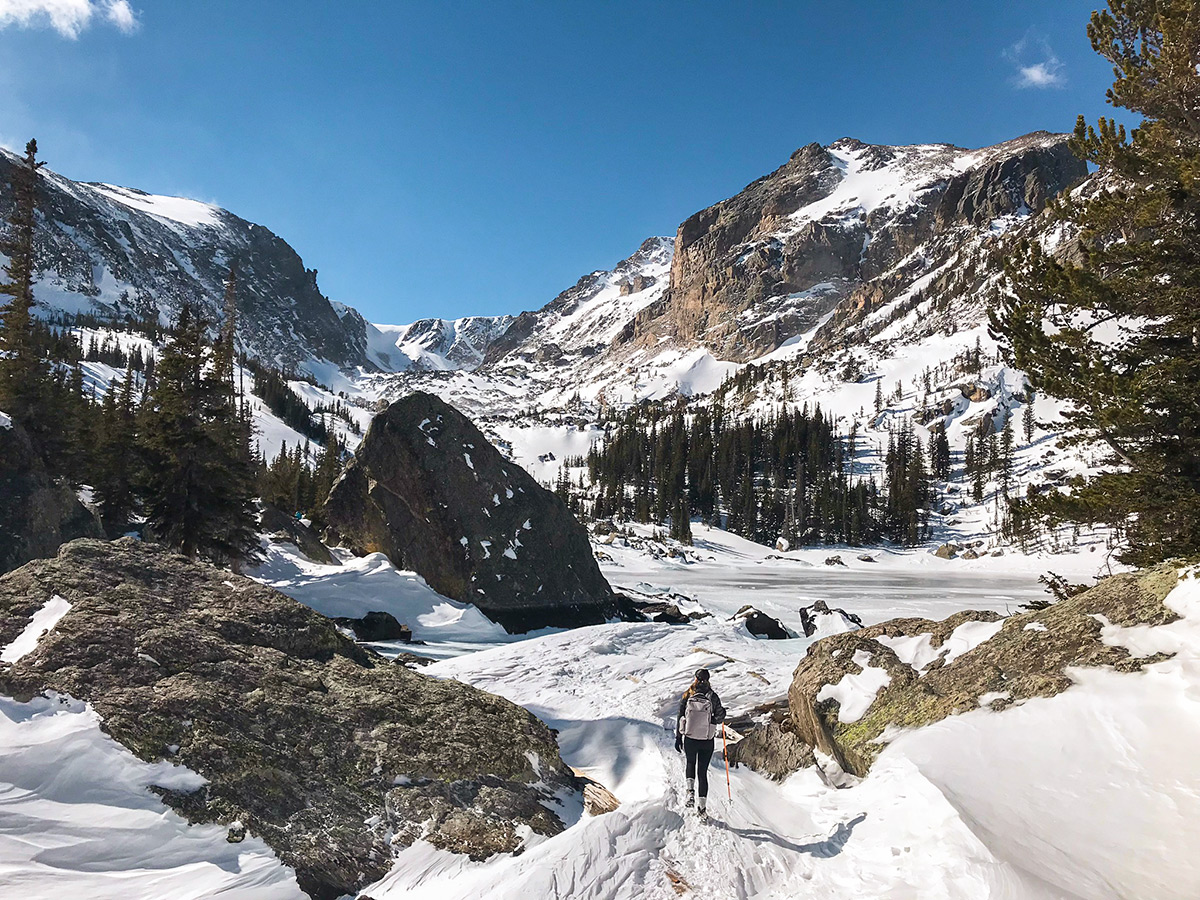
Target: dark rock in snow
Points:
(288, 529)
(820, 617)
(426, 488)
(36, 513)
(834, 561)
(759, 624)
(333, 755)
(377, 626)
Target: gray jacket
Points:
(718, 711)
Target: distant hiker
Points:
(700, 711)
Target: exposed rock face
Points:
(426, 488)
(290, 530)
(36, 514)
(133, 254)
(1019, 657)
(759, 624)
(584, 319)
(772, 261)
(332, 754)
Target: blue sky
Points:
(459, 158)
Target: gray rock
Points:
(302, 735)
(1018, 661)
(427, 488)
(279, 526)
(37, 514)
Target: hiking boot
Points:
(689, 802)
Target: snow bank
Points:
(79, 821)
(364, 584)
(43, 621)
(1095, 791)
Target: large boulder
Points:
(426, 488)
(37, 514)
(335, 756)
(854, 690)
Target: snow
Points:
(192, 213)
(967, 636)
(5, 421)
(1095, 791)
(79, 821)
(368, 583)
(856, 692)
(43, 621)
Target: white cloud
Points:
(68, 17)
(1037, 65)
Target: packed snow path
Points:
(612, 693)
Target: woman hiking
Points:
(700, 711)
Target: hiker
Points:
(700, 711)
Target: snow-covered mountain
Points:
(118, 252)
(434, 344)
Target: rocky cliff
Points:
(771, 262)
(333, 755)
(428, 489)
(119, 252)
(36, 513)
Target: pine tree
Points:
(1135, 394)
(1028, 422)
(115, 461)
(198, 484)
(24, 370)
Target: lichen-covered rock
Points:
(332, 754)
(426, 488)
(36, 513)
(926, 671)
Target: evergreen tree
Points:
(1028, 422)
(24, 370)
(198, 484)
(115, 462)
(1140, 242)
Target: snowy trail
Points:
(611, 691)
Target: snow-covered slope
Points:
(117, 253)
(439, 345)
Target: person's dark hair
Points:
(700, 682)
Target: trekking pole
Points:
(725, 748)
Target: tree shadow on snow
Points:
(825, 849)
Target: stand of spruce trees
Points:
(791, 475)
(171, 441)
(1116, 330)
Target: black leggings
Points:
(698, 752)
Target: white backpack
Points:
(697, 721)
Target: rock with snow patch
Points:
(333, 755)
(279, 526)
(821, 619)
(759, 624)
(854, 689)
(426, 488)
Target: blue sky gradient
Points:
(461, 158)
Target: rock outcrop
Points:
(925, 671)
(834, 225)
(335, 756)
(426, 488)
(120, 252)
(37, 514)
